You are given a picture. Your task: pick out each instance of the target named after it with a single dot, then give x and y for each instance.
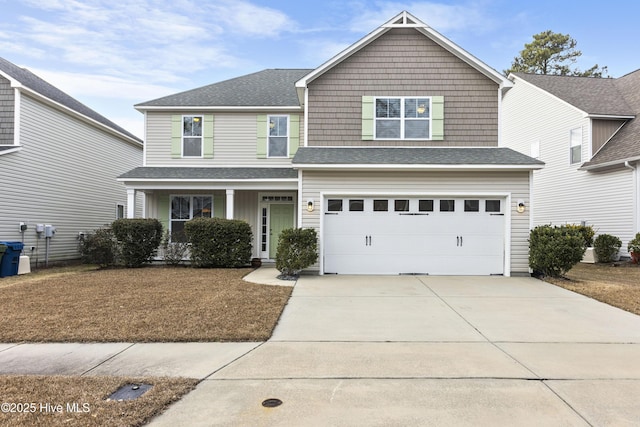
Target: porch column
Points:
(229, 214)
(131, 202)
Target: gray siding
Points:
(7, 101)
(562, 194)
(601, 131)
(403, 62)
(515, 183)
(234, 141)
(64, 175)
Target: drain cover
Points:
(130, 391)
(271, 403)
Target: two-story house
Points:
(586, 132)
(391, 150)
(59, 161)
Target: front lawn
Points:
(152, 304)
(617, 284)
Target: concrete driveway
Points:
(419, 350)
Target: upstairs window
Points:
(576, 145)
(278, 136)
(192, 136)
(402, 118)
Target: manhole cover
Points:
(130, 391)
(271, 403)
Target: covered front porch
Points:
(266, 198)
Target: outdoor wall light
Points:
(310, 205)
(521, 206)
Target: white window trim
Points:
(572, 145)
(402, 119)
(286, 156)
(201, 156)
(190, 196)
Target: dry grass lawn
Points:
(83, 401)
(617, 284)
(153, 304)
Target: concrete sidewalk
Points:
(397, 350)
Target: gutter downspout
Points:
(636, 196)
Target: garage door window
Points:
(334, 205)
(472, 205)
(401, 206)
(492, 205)
(447, 205)
(356, 205)
(425, 206)
(380, 205)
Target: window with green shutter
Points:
(402, 118)
(277, 136)
(191, 136)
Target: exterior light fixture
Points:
(521, 206)
(310, 205)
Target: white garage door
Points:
(414, 235)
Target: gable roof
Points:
(413, 157)
(266, 88)
(404, 20)
(23, 78)
(594, 96)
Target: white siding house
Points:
(583, 130)
(59, 162)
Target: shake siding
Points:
(561, 193)
(65, 175)
(7, 100)
(515, 183)
(234, 141)
(403, 62)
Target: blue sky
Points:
(112, 55)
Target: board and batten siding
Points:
(425, 183)
(402, 62)
(234, 141)
(562, 194)
(7, 102)
(64, 175)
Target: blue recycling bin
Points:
(11, 258)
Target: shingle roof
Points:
(497, 156)
(589, 94)
(268, 88)
(188, 173)
(35, 83)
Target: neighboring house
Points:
(59, 161)
(586, 132)
(390, 150)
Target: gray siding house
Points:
(586, 132)
(391, 150)
(59, 161)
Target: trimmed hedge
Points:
(99, 247)
(606, 247)
(139, 239)
(297, 250)
(218, 242)
(554, 250)
(586, 231)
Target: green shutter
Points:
(176, 136)
(437, 118)
(164, 207)
(367, 118)
(261, 132)
(218, 205)
(207, 135)
(294, 134)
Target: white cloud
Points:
(246, 18)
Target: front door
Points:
(280, 217)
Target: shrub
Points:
(139, 238)
(554, 250)
(586, 231)
(606, 247)
(297, 250)
(173, 252)
(99, 247)
(217, 242)
(634, 244)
